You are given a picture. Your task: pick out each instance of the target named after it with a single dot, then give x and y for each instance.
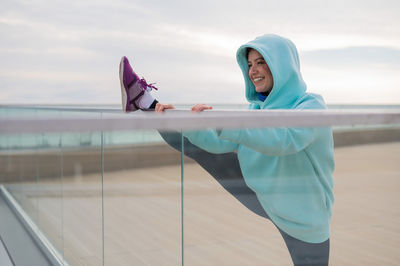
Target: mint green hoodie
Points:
(289, 169)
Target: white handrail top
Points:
(186, 120)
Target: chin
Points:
(261, 90)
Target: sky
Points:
(68, 52)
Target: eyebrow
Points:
(258, 58)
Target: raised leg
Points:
(223, 167)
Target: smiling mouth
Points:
(257, 79)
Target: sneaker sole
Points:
(124, 96)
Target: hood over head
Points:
(281, 56)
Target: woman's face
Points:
(259, 72)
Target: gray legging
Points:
(226, 170)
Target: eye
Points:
(249, 65)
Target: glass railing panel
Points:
(366, 218)
(225, 222)
(46, 192)
(115, 197)
(82, 198)
(33, 175)
(17, 166)
(57, 180)
(142, 198)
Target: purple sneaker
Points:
(132, 88)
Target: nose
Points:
(252, 70)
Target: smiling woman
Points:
(259, 72)
(269, 162)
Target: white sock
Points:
(146, 100)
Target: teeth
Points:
(257, 79)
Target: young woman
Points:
(284, 174)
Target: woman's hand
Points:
(161, 107)
(200, 107)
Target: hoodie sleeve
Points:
(272, 141)
(208, 140)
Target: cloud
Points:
(68, 51)
(365, 56)
(354, 75)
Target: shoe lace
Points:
(145, 85)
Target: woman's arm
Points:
(272, 141)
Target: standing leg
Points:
(223, 167)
